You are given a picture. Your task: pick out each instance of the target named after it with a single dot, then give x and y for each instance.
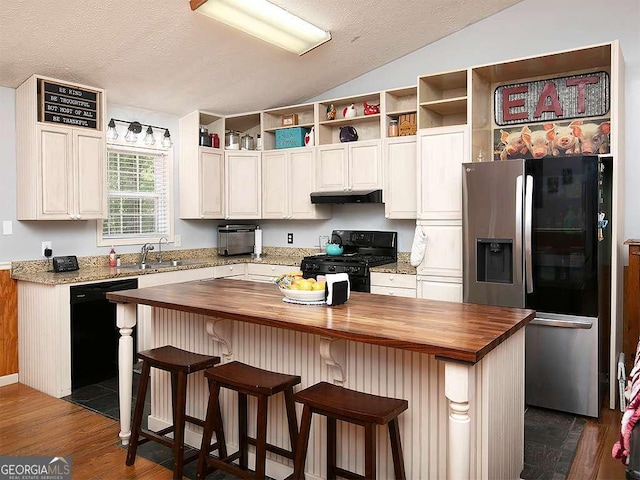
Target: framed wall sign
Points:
(562, 98)
(68, 105)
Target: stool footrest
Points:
(149, 435)
(341, 472)
(273, 448)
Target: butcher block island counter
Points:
(460, 366)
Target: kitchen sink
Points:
(154, 265)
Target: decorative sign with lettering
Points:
(577, 96)
(69, 105)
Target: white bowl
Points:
(303, 295)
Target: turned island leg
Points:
(126, 320)
(456, 389)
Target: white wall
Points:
(531, 27)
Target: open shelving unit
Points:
(272, 121)
(367, 126)
(442, 99)
(397, 102)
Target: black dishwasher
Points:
(94, 333)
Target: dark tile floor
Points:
(102, 398)
(550, 442)
(550, 437)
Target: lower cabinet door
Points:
(394, 291)
(432, 289)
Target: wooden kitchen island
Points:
(460, 366)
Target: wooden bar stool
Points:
(179, 363)
(338, 403)
(247, 380)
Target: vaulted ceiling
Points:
(162, 56)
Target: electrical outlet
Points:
(289, 237)
(177, 240)
(46, 245)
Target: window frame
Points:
(170, 236)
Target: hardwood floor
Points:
(593, 460)
(32, 423)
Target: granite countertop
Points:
(97, 267)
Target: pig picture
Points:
(552, 140)
(593, 137)
(537, 141)
(514, 146)
(564, 141)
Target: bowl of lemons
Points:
(294, 286)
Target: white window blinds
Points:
(138, 195)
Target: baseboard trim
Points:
(8, 379)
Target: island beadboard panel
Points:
(392, 372)
(8, 324)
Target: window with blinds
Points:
(138, 195)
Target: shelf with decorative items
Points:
(400, 111)
(242, 131)
(442, 99)
(361, 113)
(277, 121)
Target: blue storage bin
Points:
(290, 137)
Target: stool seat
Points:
(252, 380)
(339, 403)
(259, 383)
(348, 404)
(179, 363)
(174, 359)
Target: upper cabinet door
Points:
(89, 158)
(400, 164)
(56, 172)
(301, 182)
(441, 152)
(274, 184)
(365, 165)
(211, 188)
(332, 168)
(243, 174)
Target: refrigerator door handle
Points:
(518, 235)
(547, 322)
(528, 214)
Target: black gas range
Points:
(363, 249)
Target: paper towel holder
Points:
(257, 244)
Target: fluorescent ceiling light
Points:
(266, 21)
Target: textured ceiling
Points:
(162, 56)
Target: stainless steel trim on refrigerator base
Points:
(561, 363)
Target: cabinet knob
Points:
(231, 268)
(78, 217)
(273, 268)
(390, 292)
(201, 216)
(391, 278)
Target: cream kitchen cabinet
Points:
(243, 184)
(288, 178)
(399, 285)
(441, 152)
(260, 272)
(60, 169)
(446, 289)
(443, 253)
(201, 169)
(237, 271)
(349, 166)
(400, 188)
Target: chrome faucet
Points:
(143, 253)
(166, 241)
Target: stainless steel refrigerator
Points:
(535, 236)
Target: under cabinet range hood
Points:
(362, 196)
